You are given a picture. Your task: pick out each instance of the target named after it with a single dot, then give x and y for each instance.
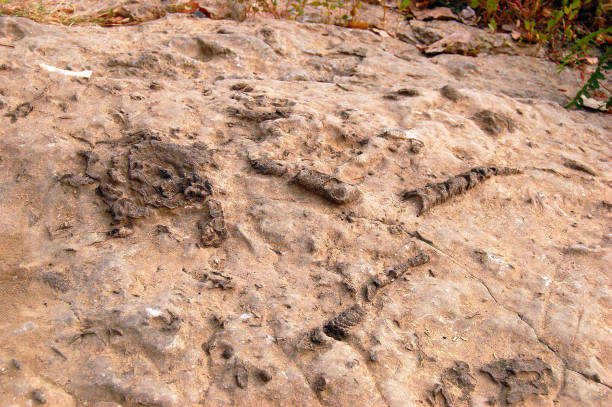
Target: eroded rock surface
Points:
(155, 251)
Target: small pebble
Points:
(264, 375)
(451, 93)
(352, 363)
(227, 353)
(317, 336)
(39, 396)
(320, 383)
(121, 232)
(408, 92)
(242, 86)
(415, 146)
(242, 378)
(394, 134)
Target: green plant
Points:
(403, 5)
(542, 21)
(604, 63)
(330, 7)
(298, 8)
(490, 8)
(563, 17)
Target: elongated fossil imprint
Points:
(330, 188)
(338, 327)
(434, 194)
(392, 274)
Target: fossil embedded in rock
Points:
(147, 174)
(269, 167)
(166, 174)
(327, 186)
(213, 231)
(434, 194)
(520, 377)
(75, 180)
(22, 110)
(397, 271)
(258, 115)
(216, 279)
(456, 384)
(120, 208)
(338, 326)
(392, 274)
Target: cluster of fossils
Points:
(340, 192)
(142, 173)
(518, 378)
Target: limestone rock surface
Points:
(144, 261)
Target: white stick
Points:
(81, 74)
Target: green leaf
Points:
(492, 6)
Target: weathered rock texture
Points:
(148, 259)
